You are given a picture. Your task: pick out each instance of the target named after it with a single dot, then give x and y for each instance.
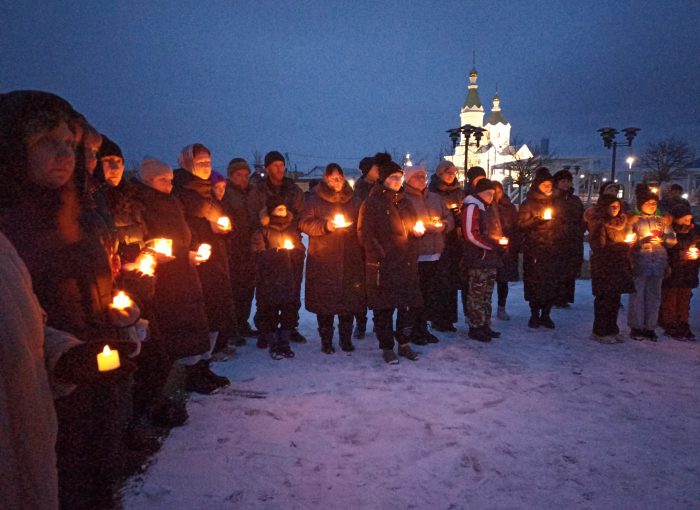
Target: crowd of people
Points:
(164, 266)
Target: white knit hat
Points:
(150, 168)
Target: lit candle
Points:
(288, 244)
(503, 241)
(224, 223)
(163, 246)
(147, 263)
(631, 238)
(339, 221)
(437, 222)
(453, 206)
(107, 360)
(419, 228)
(547, 214)
(693, 253)
(121, 301)
(203, 252)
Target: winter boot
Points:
(326, 340)
(426, 334)
(389, 357)
(637, 334)
(545, 320)
(219, 380)
(245, 330)
(534, 321)
(502, 314)
(345, 332)
(479, 334)
(408, 353)
(197, 381)
(650, 334)
(297, 337)
(284, 336)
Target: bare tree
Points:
(666, 158)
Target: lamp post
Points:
(630, 160)
(467, 130)
(608, 134)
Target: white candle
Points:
(339, 221)
(288, 244)
(547, 214)
(203, 252)
(107, 360)
(419, 228)
(503, 241)
(121, 301)
(224, 223)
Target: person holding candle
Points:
(544, 266)
(439, 222)
(574, 227)
(649, 260)
(370, 173)
(481, 230)
(275, 183)
(192, 184)
(683, 261)
(386, 231)
(279, 263)
(611, 271)
(334, 266)
(241, 259)
(509, 272)
(445, 183)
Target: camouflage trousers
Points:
(480, 290)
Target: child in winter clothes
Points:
(649, 257)
(279, 259)
(677, 286)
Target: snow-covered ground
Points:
(536, 419)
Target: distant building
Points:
(495, 148)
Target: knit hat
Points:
(273, 202)
(680, 210)
(475, 171)
(237, 164)
(109, 148)
(608, 185)
(410, 171)
(563, 175)
(541, 174)
(606, 200)
(216, 177)
(366, 164)
(150, 168)
(273, 156)
(442, 167)
(483, 185)
(387, 169)
(644, 194)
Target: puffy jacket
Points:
(481, 231)
(430, 207)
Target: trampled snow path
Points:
(536, 419)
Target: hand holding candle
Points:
(339, 221)
(419, 228)
(288, 244)
(123, 311)
(224, 224)
(547, 214)
(437, 222)
(203, 252)
(161, 246)
(631, 238)
(108, 360)
(121, 301)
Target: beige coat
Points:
(28, 351)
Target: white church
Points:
(494, 149)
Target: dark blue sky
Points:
(327, 80)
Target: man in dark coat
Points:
(275, 183)
(334, 265)
(388, 234)
(574, 228)
(241, 259)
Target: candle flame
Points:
(106, 351)
(631, 237)
(163, 246)
(547, 214)
(503, 241)
(224, 222)
(693, 253)
(147, 264)
(419, 228)
(339, 221)
(288, 244)
(121, 301)
(203, 252)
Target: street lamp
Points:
(467, 130)
(608, 134)
(630, 160)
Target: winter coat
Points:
(126, 218)
(481, 230)
(544, 266)
(334, 265)
(278, 271)
(385, 229)
(574, 228)
(179, 300)
(508, 216)
(430, 207)
(72, 278)
(241, 259)
(683, 271)
(611, 270)
(28, 353)
(200, 210)
(650, 258)
(452, 195)
(362, 189)
(261, 191)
